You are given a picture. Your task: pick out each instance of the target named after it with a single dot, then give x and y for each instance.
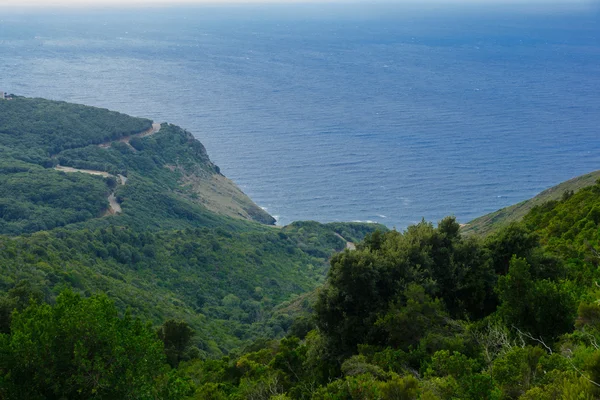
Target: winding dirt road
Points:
(85, 171)
(113, 205)
(126, 139)
(349, 245)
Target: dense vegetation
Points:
(81, 349)
(33, 198)
(430, 314)
(222, 282)
(165, 255)
(32, 130)
(425, 314)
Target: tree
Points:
(17, 298)
(364, 283)
(79, 349)
(358, 288)
(407, 322)
(542, 308)
(510, 241)
(176, 337)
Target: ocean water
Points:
(340, 113)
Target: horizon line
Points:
(78, 4)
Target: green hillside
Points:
(222, 282)
(102, 202)
(432, 314)
(489, 223)
(158, 175)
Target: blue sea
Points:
(345, 112)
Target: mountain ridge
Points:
(489, 223)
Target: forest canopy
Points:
(429, 314)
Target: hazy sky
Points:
(87, 3)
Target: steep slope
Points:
(489, 223)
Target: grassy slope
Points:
(489, 223)
(570, 227)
